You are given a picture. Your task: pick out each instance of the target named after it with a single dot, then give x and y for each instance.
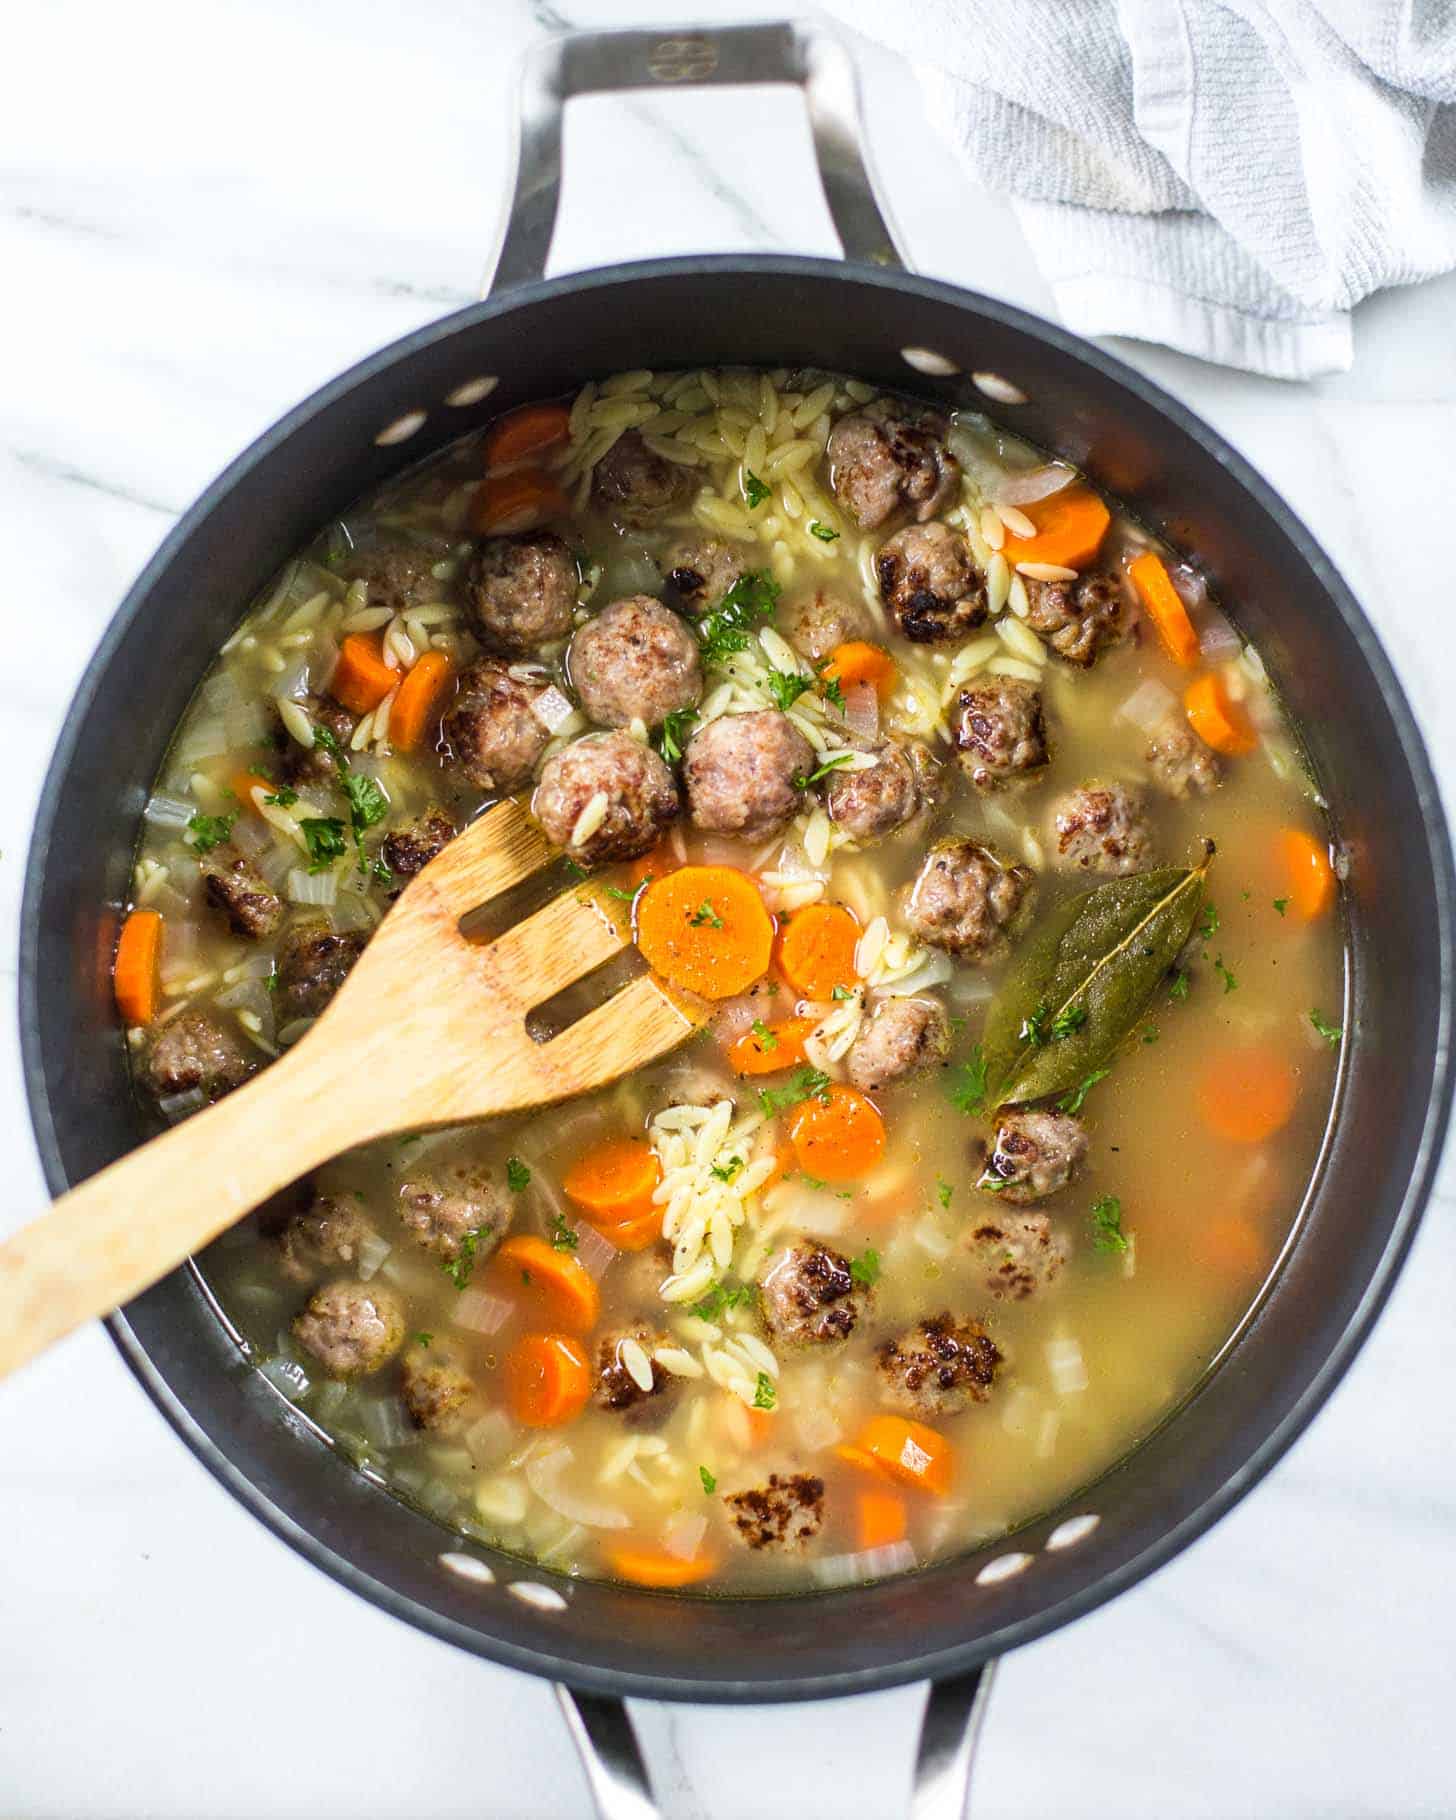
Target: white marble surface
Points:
(207, 210)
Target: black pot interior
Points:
(1363, 748)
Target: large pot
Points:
(531, 339)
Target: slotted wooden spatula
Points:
(428, 1029)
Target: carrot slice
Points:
(518, 501)
(134, 977)
(816, 950)
(879, 1519)
(1232, 1244)
(777, 1045)
(1217, 719)
(244, 783)
(1164, 606)
(1070, 526)
(857, 1457)
(362, 679)
(548, 1380)
(859, 662)
(1311, 877)
(559, 1287)
(419, 694)
(614, 1181)
(785, 1163)
(1246, 1095)
(837, 1135)
(631, 1235)
(653, 1567)
(760, 1425)
(706, 929)
(909, 1451)
(532, 430)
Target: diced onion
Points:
(1067, 1366)
(1149, 705)
(203, 738)
(489, 1438)
(177, 1106)
(816, 1427)
(593, 1252)
(384, 1422)
(542, 1475)
(1035, 483)
(552, 708)
(292, 684)
(168, 812)
(682, 1534)
(480, 1311)
(869, 1564)
(320, 888)
(1217, 639)
(373, 1250)
(862, 711)
(931, 1237)
(245, 724)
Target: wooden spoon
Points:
(428, 1029)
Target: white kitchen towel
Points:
(1227, 176)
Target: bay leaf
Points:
(1084, 978)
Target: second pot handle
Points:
(796, 52)
(617, 1775)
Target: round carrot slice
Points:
(1306, 864)
(837, 1135)
(706, 929)
(614, 1181)
(909, 1451)
(548, 1380)
(1246, 1095)
(1217, 719)
(654, 1567)
(816, 950)
(769, 1048)
(558, 1288)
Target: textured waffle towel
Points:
(1227, 176)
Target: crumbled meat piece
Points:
(520, 592)
(315, 764)
(1102, 828)
(1181, 764)
(891, 458)
(786, 1513)
(1079, 619)
(195, 1052)
(614, 1385)
(327, 1236)
(930, 583)
(733, 1017)
(642, 798)
(701, 570)
(439, 1394)
(351, 1328)
(492, 733)
(817, 625)
(807, 1294)
(636, 660)
(313, 962)
(739, 772)
(443, 1215)
(399, 574)
(999, 732)
(636, 486)
(1018, 1252)
(903, 1038)
(938, 1367)
(409, 848)
(967, 900)
(884, 797)
(1035, 1153)
(235, 886)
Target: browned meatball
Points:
(195, 1052)
(635, 661)
(807, 1294)
(904, 1037)
(313, 962)
(493, 734)
(641, 798)
(885, 796)
(1079, 619)
(930, 583)
(891, 458)
(938, 1367)
(351, 1328)
(1018, 1252)
(439, 1394)
(999, 732)
(1180, 762)
(315, 764)
(464, 1215)
(235, 886)
(399, 574)
(520, 592)
(1102, 828)
(814, 627)
(409, 848)
(327, 1236)
(967, 900)
(740, 773)
(636, 485)
(785, 1513)
(1034, 1154)
(616, 1385)
(701, 570)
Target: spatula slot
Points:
(518, 901)
(573, 1002)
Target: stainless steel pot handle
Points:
(590, 63)
(617, 1776)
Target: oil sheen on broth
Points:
(764, 1314)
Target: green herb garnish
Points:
(803, 1084)
(1333, 1034)
(423, 1339)
(1034, 1028)
(832, 689)
(825, 533)
(708, 1482)
(764, 1394)
(1226, 973)
(674, 733)
(705, 916)
(518, 1176)
(324, 837)
(1066, 1023)
(842, 992)
(563, 1236)
(754, 490)
(865, 1269)
(1208, 922)
(768, 1040)
(836, 763)
(459, 1267)
(750, 600)
(1178, 989)
(368, 805)
(723, 1296)
(209, 831)
(1074, 1101)
(1151, 1033)
(785, 687)
(282, 799)
(1107, 1224)
(968, 1093)
(725, 1172)
(1281, 904)
(943, 1191)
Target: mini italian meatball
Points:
(1034, 1154)
(635, 660)
(351, 1328)
(891, 458)
(627, 1376)
(886, 796)
(196, 1052)
(641, 798)
(967, 900)
(938, 1367)
(814, 627)
(327, 1236)
(1102, 828)
(740, 773)
(408, 849)
(313, 962)
(1079, 619)
(439, 1393)
(399, 574)
(637, 486)
(315, 764)
(235, 886)
(463, 1215)
(1181, 764)
(807, 1295)
(999, 732)
(520, 592)
(1018, 1252)
(492, 733)
(701, 570)
(785, 1513)
(930, 583)
(903, 1038)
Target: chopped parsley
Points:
(836, 763)
(707, 1480)
(1074, 1101)
(1107, 1224)
(832, 689)
(1151, 1033)
(764, 1394)
(725, 1172)
(968, 1092)
(368, 805)
(1034, 1028)
(803, 1084)
(1067, 1022)
(842, 992)
(1281, 904)
(282, 799)
(674, 733)
(723, 1296)
(1333, 1034)
(1179, 987)
(825, 533)
(768, 1040)
(624, 895)
(865, 1269)
(785, 687)
(459, 1267)
(1226, 974)
(209, 831)
(1208, 922)
(563, 1236)
(518, 1176)
(751, 599)
(754, 490)
(705, 916)
(943, 1191)
(324, 837)
(423, 1339)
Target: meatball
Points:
(351, 1328)
(807, 1295)
(235, 886)
(194, 1051)
(740, 773)
(636, 486)
(999, 732)
(967, 900)
(890, 458)
(1079, 619)
(439, 1394)
(493, 733)
(734, 1017)
(315, 764)
(905, 1036)
(1018, 1252)
(399, 574)
(701, 570)
(1035, 1153)
(635, 661)
(784, 1514)
(885, 796)
(313, 962)
(938, 1367)
(624, 1357)
(641, 798)
(1180, 762)
(930, 583)
(328, 1236)
(408, 849)
(520, 592)
(465, 1216)
(817, 625)
(1102, 828)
